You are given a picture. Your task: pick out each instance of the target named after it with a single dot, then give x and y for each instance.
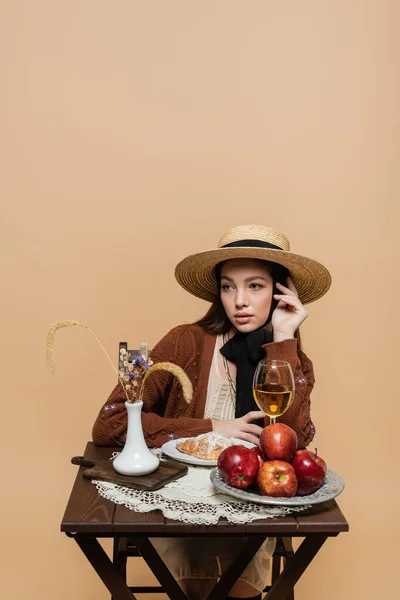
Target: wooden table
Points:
(88, 516)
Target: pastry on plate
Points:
(207, 445)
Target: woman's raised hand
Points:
(241, 428)
(289, 314)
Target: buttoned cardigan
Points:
(165, 411)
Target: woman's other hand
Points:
(289, 314)
(241, 428)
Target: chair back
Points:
(132, 354)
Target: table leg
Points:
(295, 567)
(160, 570)
(229, 578)
(104, 568)
(224, 585)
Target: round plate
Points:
(170, 449)
(332, 487)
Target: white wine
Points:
(273, 399)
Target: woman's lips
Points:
(243, 319)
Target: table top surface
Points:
(89, 513)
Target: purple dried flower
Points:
(131, 375)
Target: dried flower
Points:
(131, 376)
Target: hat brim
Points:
(196, 273)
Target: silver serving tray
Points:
(332, 487)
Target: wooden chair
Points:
(125, 548)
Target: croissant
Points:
(207, 445)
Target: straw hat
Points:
(196, 273)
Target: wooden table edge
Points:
(292, 525)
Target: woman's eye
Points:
(255, 286)
(225, 287)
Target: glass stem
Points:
(272, 420)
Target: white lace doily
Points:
(192, 499)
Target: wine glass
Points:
(273, 387)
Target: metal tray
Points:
(332, 487)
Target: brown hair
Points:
(216, 321)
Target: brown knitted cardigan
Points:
(165, 411)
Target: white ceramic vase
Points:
(135, 458)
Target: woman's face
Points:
(246, 293)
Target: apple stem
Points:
(316, 452)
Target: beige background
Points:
(135, 133)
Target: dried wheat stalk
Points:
(164, 366)
(179, 373)
(50, 356)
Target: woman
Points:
(258, 289)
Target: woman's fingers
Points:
(250, 428)
(289, 313)
(284, 303)
(286, 297)
(247, 437)
(241, 428)
(291, 300)
(253, 415)
(290, 287)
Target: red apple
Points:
(238, 466)
(257, 452)
(276, 478)
(310, 471)
(278, 442)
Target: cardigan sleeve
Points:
(110, 426)
(298, 414)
